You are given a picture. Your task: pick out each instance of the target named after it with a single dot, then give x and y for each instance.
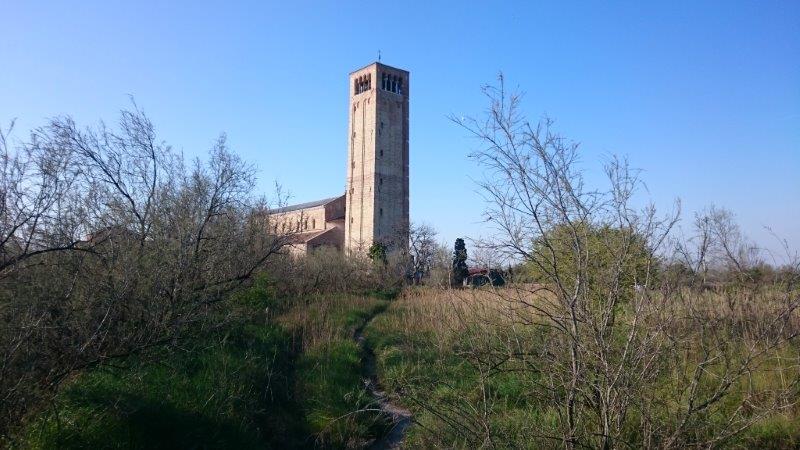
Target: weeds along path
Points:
(282, 373)
(401, 417)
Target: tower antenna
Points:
(379, 56)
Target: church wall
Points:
(334, 237)
(335, 210)
(302, 220)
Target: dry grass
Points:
(434, 346)
(320, 319)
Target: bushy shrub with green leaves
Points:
(599, 258)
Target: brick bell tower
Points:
(377, 159)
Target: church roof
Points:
(302, 238)
(306, 205)
(307, 237)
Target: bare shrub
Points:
(441, 271)
(422, 247)
(110, 243)
(327, 270)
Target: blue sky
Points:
(704, 97)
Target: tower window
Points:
(362, 83)
(392, 83)
(381, 152)
(380, 181)
(381, 212)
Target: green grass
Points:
(226, 390)
(409, 363)
(286, 374)
(330, 386)
(339, 411)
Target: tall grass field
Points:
(438, 352)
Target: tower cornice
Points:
(380, 65)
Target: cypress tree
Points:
(460, 271)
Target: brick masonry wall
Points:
(377, 170)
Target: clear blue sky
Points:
(703, 96)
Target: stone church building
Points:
(374, 207)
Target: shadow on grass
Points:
(228, 391)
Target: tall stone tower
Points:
(377, 160)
